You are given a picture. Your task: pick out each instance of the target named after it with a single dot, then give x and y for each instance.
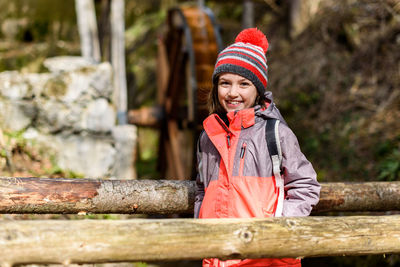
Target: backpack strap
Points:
(274, 148)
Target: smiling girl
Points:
(236, 176)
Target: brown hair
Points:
(215, 107)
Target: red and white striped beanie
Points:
(245, 57)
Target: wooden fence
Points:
(96, 241)
(101, 241)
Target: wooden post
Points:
(87, 26)
(43, 195)
(248, 14)
(118, 59)
(100, 241)
(105, 30)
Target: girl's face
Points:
(235, 92)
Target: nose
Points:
(233, 91)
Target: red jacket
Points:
(235, 178)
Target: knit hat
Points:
(245, 57)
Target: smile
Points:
(233, 102)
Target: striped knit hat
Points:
(245, 57)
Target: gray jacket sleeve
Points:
(199, 196)
(301, 185)
(199, 193)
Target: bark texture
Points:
(367, 196)
(96, 241)
(43, 195)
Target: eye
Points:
(244, 84)
(223, 83)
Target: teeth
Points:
(233, 102)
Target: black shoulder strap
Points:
(270, 136)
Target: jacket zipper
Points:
(241, 155)
(228, 132)
(228, 138)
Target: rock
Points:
(31, 134)
(16, 115)
(14, 86)
(99, 116)
(95, 116)
(67, 63)
(125, 137)
(69, 111)
(37, 82)
(55, 116)
(101, 80)
(77, 86)
(82, 83)
(55, 88)
(90, 155)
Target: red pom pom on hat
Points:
(253, 36)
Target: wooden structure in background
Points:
(72, 196)
(186, 57)
(118, 59)
(87, 26)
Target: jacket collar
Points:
(214, 125)
(242, 118)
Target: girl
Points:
(236, 177)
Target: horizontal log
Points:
(72, 196)
(360, 196)
(146, 116)
(100, 241)
(46, 195)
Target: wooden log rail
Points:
(71, 196)
(100, 241)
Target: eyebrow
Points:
(240, 80)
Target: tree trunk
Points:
(87, 26)
(301, 13)
(248, 14)
(43, 195)
(118, 58)
(96, 241)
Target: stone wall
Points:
(69, 111)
